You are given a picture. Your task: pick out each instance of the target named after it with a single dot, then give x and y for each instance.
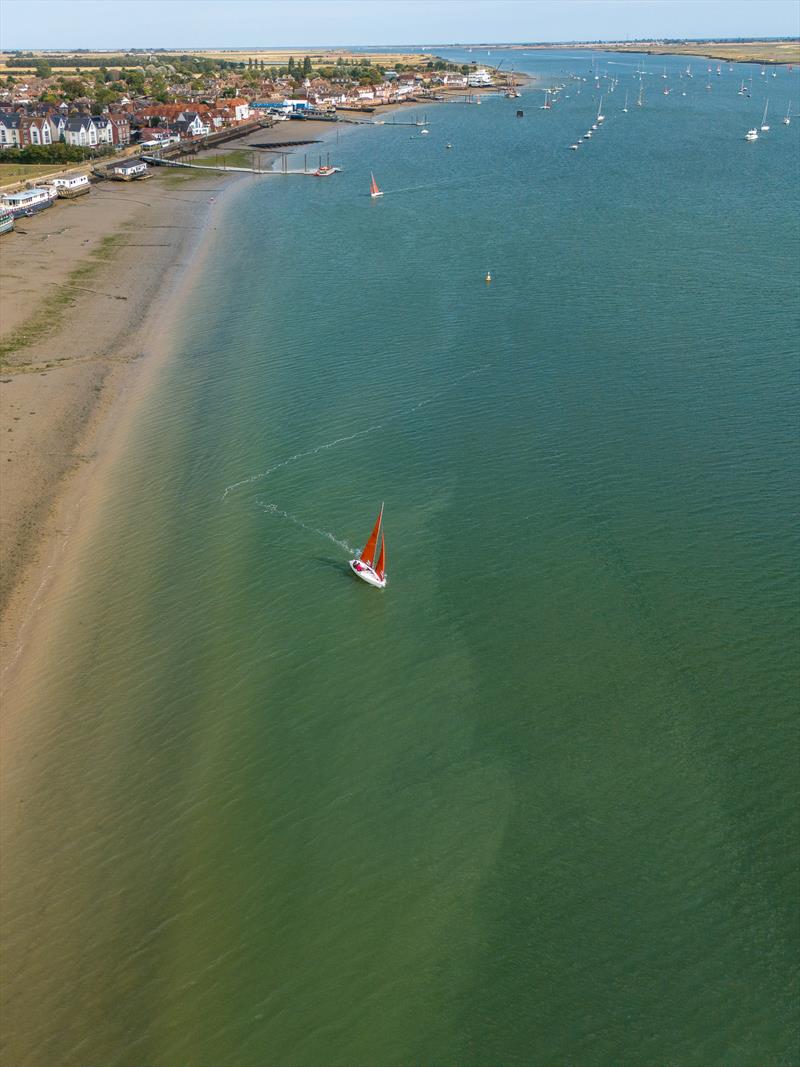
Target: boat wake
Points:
(273, 509)
(261, 475)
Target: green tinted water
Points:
(536, 802)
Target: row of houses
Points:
(395, 88)
(36, 126)
(18, 129)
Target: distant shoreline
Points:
(773, 51)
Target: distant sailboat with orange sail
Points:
(366, 566)
(373, 187)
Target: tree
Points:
(43, 68)
(73, 88)
(291, 65)
(307, 67)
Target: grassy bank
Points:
(10, 173)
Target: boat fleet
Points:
(744, 89)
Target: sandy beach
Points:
(84, 288)
(86, 291)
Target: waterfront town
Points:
(58, 111)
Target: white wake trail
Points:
(261, 475)
(299, 455)
(273, 509)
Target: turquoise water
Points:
(536, 803)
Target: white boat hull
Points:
(366, 573)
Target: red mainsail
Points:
(373, 186)
(368, 554)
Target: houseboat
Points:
(27, 202)
(127, 170)
(67, 188)
(6, 221)
(71, 187)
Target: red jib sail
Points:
(380, 566)
(368, 554)
(373, 186)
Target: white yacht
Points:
(764, 126)
(751, 135)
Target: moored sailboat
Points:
(373, 187)
(764, 125)
(366, 566)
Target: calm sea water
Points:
(536, 803)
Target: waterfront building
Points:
(81, 131)
(480, 79)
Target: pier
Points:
(322, 171)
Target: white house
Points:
(241, 109)
(480, 79)
(80, 130)
(10, 136)
(105, 131)
(189, 122)
(35, 130)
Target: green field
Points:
(21, 172)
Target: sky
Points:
(278, 23)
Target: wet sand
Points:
(82, 288)
(86, 290)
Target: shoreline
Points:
(87, 400)
(68, 392)
(93, 398)
(719, 51)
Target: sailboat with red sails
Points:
(373, 187)
(366, 566)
